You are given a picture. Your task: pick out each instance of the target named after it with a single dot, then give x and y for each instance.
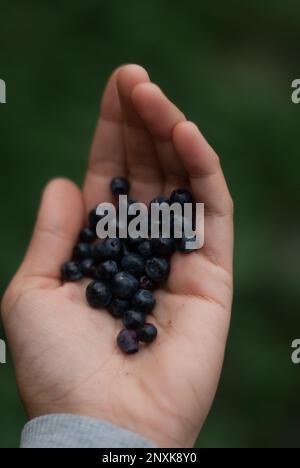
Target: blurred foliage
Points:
(229, 66)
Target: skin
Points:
(65, 356)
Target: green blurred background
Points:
(228, 66)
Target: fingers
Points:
(59, 221)
(107, 158)
(160, 116)
(203, 167)
(143, 166)
(209, 187)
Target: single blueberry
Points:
(88, 235)
(93, 218)
(181, 196)
(117, 307)
(144, 301)
(182, 244)
(71, 271)
(134, 243)
(163, 246)
(146, 283)
(157, 269)
(88, 267)
(147, 333)
(109, 249)
(97, 252)
(119, 186)
(133, 264)
(145, 249)
(98, 294)
(127, 341)
(124, 285)
(107, 270)
(133, 319)
(82, 251)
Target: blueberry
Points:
(93, 218)
(133, 264)
(107, 270)
(144, 301)
(82, 251)
(88, 235)
(134, 243)
(148, 333)
(133, 319)
(146, 283)
(117, 307)
(163, 246)
(181, 196)
(124, 285)
(98, 294)
(71, 271)
(127, 341)
(88, 267)
(181, 244)
(97, 252)
(109, 249)
(157, 269)
(119, 186)
(145, 249)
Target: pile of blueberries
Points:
(125, 271)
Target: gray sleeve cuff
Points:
(72, 431)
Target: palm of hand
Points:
(65, 353)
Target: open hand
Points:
(64, 352)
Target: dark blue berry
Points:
(124, 285)
(127, 341)
(107, 270)
(181, 244)
(94, 218)
(181, 196)
(147, 333)
(118, 307)
(133, 319)
(157, 269)
(88, 235)
(109, 249)
(134, 243)
(71, 271)
(163, 246)
(82, 251)
(145, 249)
(119, 186)
(133, 264)
(144, 301)
(88, 267)
(146, 283)
(98, 294)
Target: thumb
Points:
(59, 221)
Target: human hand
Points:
(64, 352)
